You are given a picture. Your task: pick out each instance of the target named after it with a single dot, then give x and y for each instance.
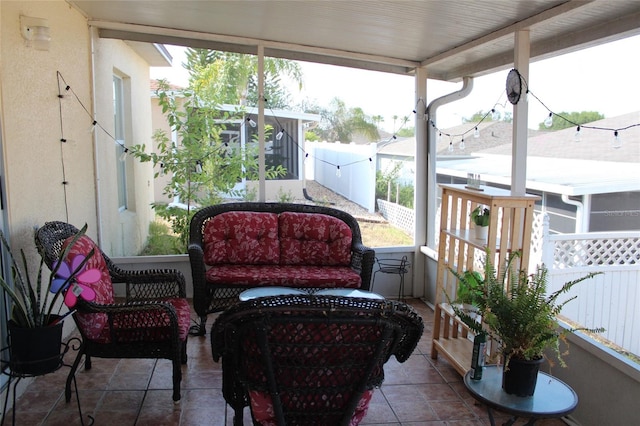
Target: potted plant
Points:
(518, 314)
(470, 289)
(35, 324)
(480, 217)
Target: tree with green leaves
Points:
(232, 78)
(564, 120)
(340, 123)
(202, 167)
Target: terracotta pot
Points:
(34, 351)
(521, 376)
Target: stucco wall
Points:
(36, 162)
(34, 157)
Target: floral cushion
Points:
(314, 239)
(322, 361)
(92, 324)
(263, 413)
(242, 238)
(284, 275)
(148, 325)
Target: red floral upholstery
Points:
(129, 326)
(248, 238)
(314, 239)
(262, 408)
(288, 276)
(298, 346)
(92, 324)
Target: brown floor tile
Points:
(418, 392)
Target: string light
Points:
(198, 166)
(577, 137)
(462, 146)
(280, 134)
(251, 122)
(125, 151)
(617, 142)
(476, 133)
(548, 122)
(338, 173)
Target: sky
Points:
(602, 79)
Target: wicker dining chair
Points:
(308, 359)
(151, 322)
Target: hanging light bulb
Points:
(338, 174)
(462, 145)
(306, 155)
(451, 146)
(251, 122)
(161, 169)
(439, 136)
(371, 165)
(617, 142)
(495, 114)
(476, 132)
(93, 126)
(198, 167)
(280, 134)
(123, 156)
(549, 121)
(577, 137)
(394, 137)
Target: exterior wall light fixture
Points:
(35, 31)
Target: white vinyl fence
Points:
(345, 168)
(611, 299)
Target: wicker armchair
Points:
(309, 359)
(209, 298)
(152, 322)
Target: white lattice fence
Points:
(611, 299)
(397, 215)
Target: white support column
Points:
(520, 118)
(262, 185)
(424, 183)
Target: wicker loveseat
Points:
(236, 246)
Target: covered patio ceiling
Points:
(451, 39)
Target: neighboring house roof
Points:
(555, 163)
(556, 175)
(400, 147)
(155, 85)
(594, 144)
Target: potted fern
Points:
(480, 218)
(518, 314)
(35, 324)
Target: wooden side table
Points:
(551, 399)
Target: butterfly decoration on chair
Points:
(75, 284)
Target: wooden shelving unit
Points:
(509, 230)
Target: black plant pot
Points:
(35, 351)
(521, 376)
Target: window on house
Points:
(120, 143)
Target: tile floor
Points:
(419, 392)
